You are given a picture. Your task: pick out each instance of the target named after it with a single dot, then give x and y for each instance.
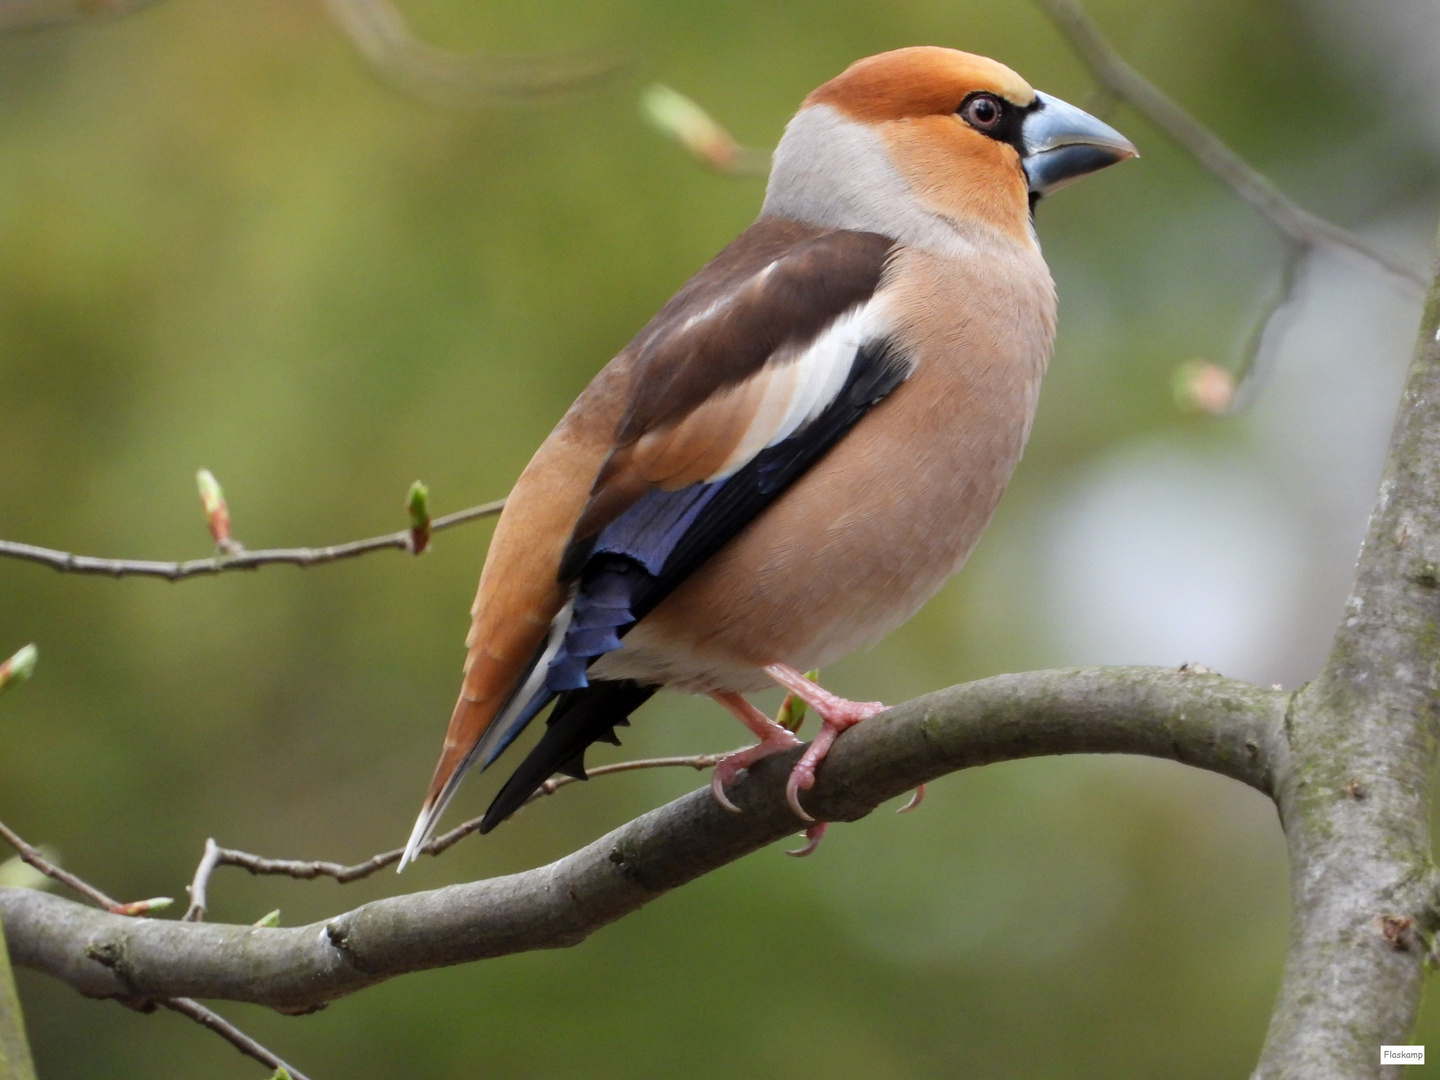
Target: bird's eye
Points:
(981, 112)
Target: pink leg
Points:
(836, 714)
(773, 739)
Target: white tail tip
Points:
(418, 836)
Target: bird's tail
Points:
(462, 740)
(478, 732)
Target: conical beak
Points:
(1063, 143)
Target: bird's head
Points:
(932, 132)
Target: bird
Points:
(803, 444)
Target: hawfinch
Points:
(801, 446)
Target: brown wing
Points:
(670, 409)
(775, 288)
(719, 355)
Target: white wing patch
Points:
(797, 390)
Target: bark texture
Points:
(1354, 777)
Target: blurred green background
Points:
(224, 242)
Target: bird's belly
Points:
(855, 547)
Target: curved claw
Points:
(717, 789)
(916, 798)
(813, 835)
(798, 780)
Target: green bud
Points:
(19, 667)
(417, 505)
(142, 907)
(792, 710)
(212, 501)
(689, 125)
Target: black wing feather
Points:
(580, 717)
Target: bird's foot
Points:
(728, 767)
(836, 714)
(834, 710)
(813, 835)
(773, 739)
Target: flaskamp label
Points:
(1402, 1055)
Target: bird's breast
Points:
(872, 530)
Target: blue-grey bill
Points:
(1063, 143)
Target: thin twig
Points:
(1287, 217)
(231, 1034)
(185, 1006)
(196, 911)
(1301, 231)
(309, 869)
(1277, 318)
(32, 855)
(65, 562)
(451, 80)
(379, 33)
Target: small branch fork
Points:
(1288, 218)
(182, 1005)
(1301, 232)
(308, 869)
(216, 856)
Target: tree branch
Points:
(238, 559)
(14, 1053)
(1198, 719)
(1301, 231)
(1287, 217)
(1356, 769)
(33, 857)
